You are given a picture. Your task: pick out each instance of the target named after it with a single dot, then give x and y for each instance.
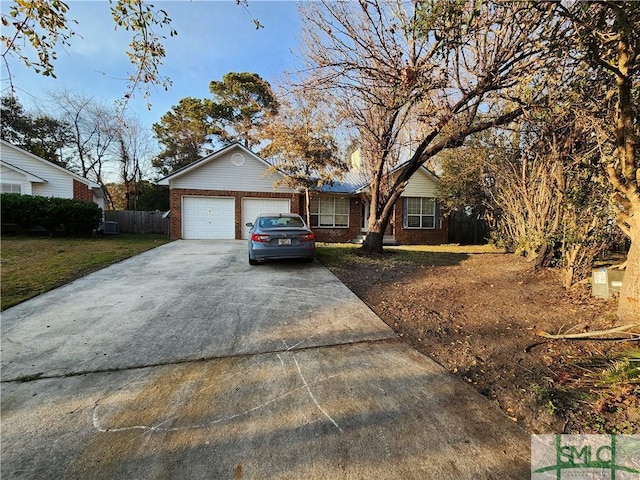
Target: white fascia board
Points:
(81, 179)
(30, 177)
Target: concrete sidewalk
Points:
(185, 362)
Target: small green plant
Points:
(625, 369)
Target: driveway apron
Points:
(186, 362)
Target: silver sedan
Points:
(276, 236)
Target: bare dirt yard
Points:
(477, 315)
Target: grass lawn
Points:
(34, 265)
(332, 254)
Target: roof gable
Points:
(232, 168)
(211, 158)
(355, 182)
(28, 176)
(423, 183)
(35, 160)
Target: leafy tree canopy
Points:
(41, 135)
(185, 133)
(241, 102)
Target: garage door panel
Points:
(208, 218)
(252, 207)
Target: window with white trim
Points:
(419, 212)
(11, 188)
(329, 212)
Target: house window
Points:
(11, 188)
(419, 212)
(329, 212)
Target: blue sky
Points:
(214, 37)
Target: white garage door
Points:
(208, 218)
(252, 207)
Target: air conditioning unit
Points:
(109, 228)
(606, 282)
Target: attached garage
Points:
(208, 218)
(214, 197)
(252, 207)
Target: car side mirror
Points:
(250, 225)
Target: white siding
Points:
(421, 185)
(99, 201)
(59, 183)
(11, 176)
(222, 174)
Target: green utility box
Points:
(606, 281)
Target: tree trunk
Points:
(542, 256)
(626, 179)
(307, 199)
(629, 302)
(373, 243)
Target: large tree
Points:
(417, 78)
(39, 134)
(241, 103)
(133, 151)
(105, 144)
(541, 182)
(607, 39)
(302, 145)
(237, 111)
(93, 126)
(185, 134)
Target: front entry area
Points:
(365, 216)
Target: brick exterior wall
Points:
(81, 191)
(403, 236)
(415, 236)
(330, 235)
(341, 235)
(175, 202)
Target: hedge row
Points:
(28, 212)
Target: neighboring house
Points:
(27, 174)
(213, 198)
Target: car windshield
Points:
(279, 222)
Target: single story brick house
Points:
(214, 198)
(27, 174)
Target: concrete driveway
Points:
(185, 362)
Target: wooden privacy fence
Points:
(131, 221)
(467, 229)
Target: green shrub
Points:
(53, 214)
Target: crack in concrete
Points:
(34, 377)
(163, 426)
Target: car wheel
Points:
(309, 260)
(252, 261)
